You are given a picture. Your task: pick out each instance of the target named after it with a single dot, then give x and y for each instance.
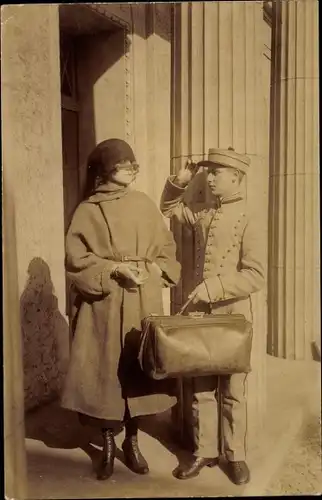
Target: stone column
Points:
(14, 432)
(294, 267)
(219, 101)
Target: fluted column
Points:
(219, 101)
(294, 267)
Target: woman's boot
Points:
(134, 459)
(106, 466)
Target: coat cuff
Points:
(106, 278)
(170, 273)
(175, 188)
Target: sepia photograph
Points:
(161, 249)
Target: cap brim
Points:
(207, 163)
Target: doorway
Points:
(70, 125)
(87, 51)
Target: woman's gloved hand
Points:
(129, 272)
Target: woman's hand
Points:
(133, 274)
(186, 173)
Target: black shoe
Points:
(134, 459)
(194, 469)
(238, 472)
(106, 466)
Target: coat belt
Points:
(129, 258)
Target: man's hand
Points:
(134, 275)
(186, 173)
(200, 293)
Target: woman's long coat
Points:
(104, 374)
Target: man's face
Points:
(222, 181)
(124, 173)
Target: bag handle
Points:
(184, 307)
(188, 302)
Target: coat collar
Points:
(108, 192)
(230, 199)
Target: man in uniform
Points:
(228, 268)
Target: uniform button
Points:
(228, 250)
(234, 246)
(221, 265)
(223, 257)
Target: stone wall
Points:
(32, 153)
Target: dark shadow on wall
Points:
(45, 336)
(97, 54)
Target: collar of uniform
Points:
(231, 199)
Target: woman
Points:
(119, 254)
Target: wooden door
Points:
(70, 136)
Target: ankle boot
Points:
(106, 466)
(134, 459)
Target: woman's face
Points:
(124, 173)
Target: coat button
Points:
(221, 265)
(228, 250)
(223, 257)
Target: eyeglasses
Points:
(127, 166)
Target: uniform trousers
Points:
(213, 430)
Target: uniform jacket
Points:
(229, 249)
(104, 372)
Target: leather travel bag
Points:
(194, 345)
